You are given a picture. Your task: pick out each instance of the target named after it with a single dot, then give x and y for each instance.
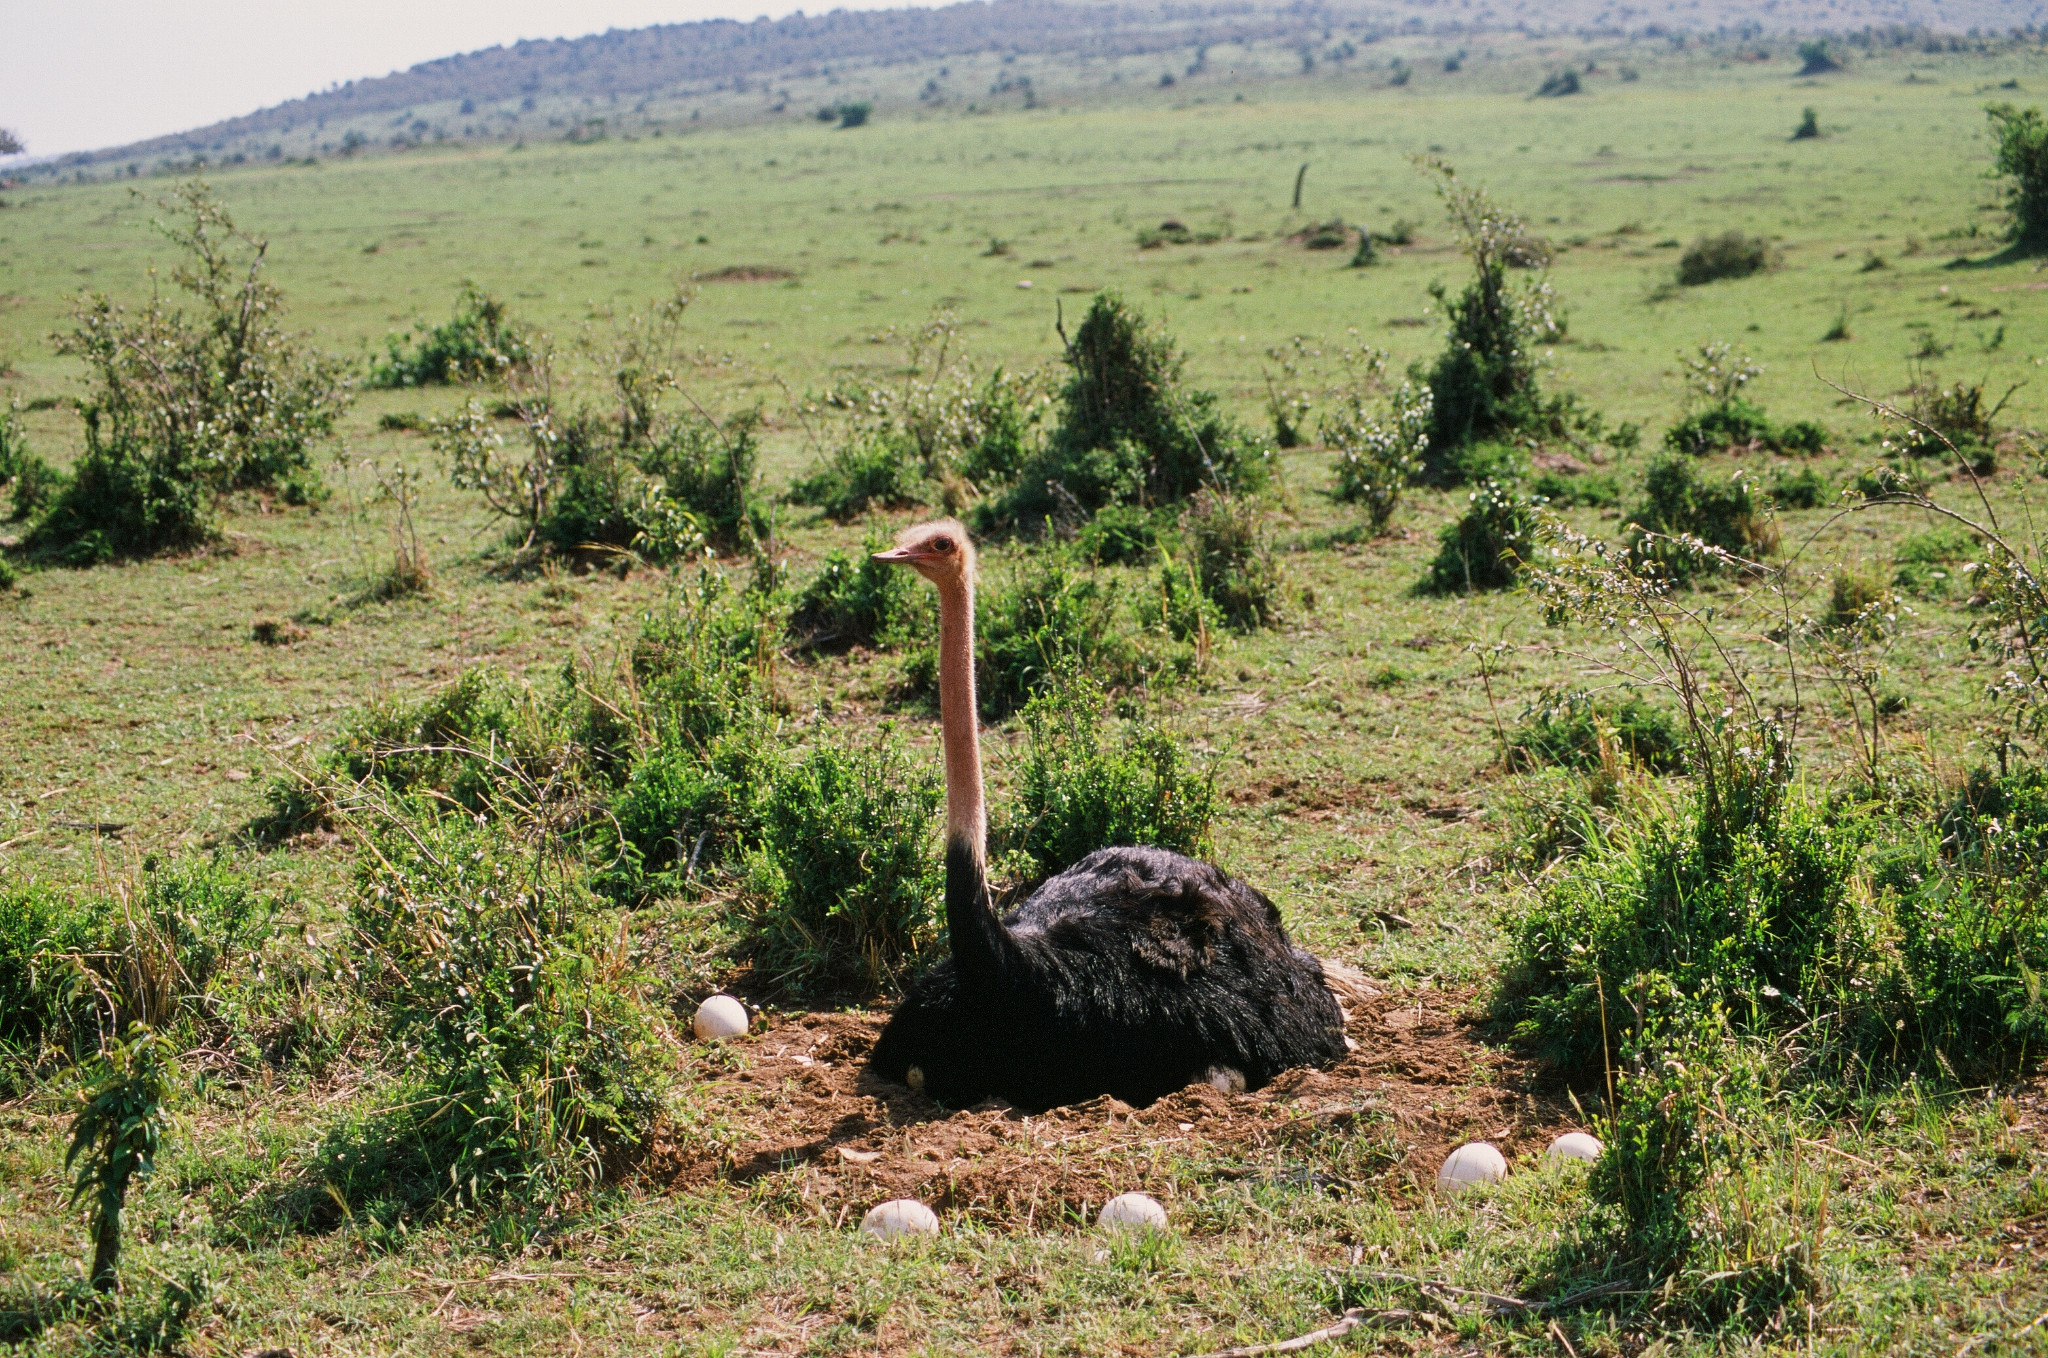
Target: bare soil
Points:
(804, 1107)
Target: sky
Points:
(76, 75)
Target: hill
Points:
(580, 88)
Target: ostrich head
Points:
(939, 551)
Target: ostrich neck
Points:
(966, 816)
(982, 948)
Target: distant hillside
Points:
(507, 92)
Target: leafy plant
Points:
(857, 601)
(1728, 255)
(1233, 561)
(1576, 732)
(1130, 430)
(181, 410)
(33, 482)
(1377, 456)
(1487, 545)
(126, 1092)
(2020, 158)
(870, 471)
(1809, 125)
(477, 344)
(1680, 511)
(1077, 792)
(1558, 84)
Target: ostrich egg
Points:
(720, 1016)
(1574, 1146)
(900, 1216)
(1475, 1163)
(1132, 1209)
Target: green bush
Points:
(1131, 430)
(1571, 733)
(180, 410)
(1734, 517)
(711, 471)
(1077, 793)
(1740, 423)
(38, 929)
(476, 344)
(873, 470)
(1120, 535)
(847, 877)
(32, 482)
(858, 601)
(684, 809)
(508, 1005)
(1951, 421)
(702, 658)
(1377, 456)
(1803, 489)
(1233, 561)
(2021, 158)
(1577, 490)
(1558, 84)
(1816, 59)
(1728, 255)
(1486, 546)
(1809, 125)
(1044, 615)
(1928, 563)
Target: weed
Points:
(847, 875)
(476, 344)
(1130, 431)
(1577, 490)
(34, 483)
(1330, 235)
(1732, 519)
(1377, 456)
(858, 601)
(1487, 545)
(1838, 331)
(2021, 158)
(1233, 560)
(116, 1135)
(1950, 421)
(181, 412)
(869, 471)
(1728, 255)
(507, 1000)
(1575, 731)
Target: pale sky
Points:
(76, 75)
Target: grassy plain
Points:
(1357, 742)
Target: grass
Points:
(1355, 747)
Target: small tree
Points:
(1484, 383)
(10, 144)
(1815, 59)
(2022, 159)
(116, 1135)
(181, 409)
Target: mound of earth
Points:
(800, 1104)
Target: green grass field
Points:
(1357, 745)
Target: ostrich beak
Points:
(899, 555)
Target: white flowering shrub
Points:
(1378, 452)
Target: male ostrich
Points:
(1132, 973)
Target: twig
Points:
(1351, 1320)
(1557, 1333)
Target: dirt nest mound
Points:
(798, 1120)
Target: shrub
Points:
(1572, 733)
(2021, 158)
(1377, 456)
(1558, 84)
(1130, 430)
(1815, 59)
(1809, 126)
(476, 344)
(116, 1135)
(1926, 561)
(1728, 255)
(38, 929)
(869, 471)
(1330, 235)
(1077, 793)
(1483, 386)
(1733, 517)
(855, 114)
(1120, 535)
(1487, 545)
(1233, 560)
(1736, 424)
(710, 470)
(1045, 616)
(33, 482)
(1576, 490)
(685, 808)
(182, 410)
(1951, 421)
(1803, 489)
(507, 1001)
(858, 601)
(847, 876)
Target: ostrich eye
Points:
(942, 545)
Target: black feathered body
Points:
(1131, 973)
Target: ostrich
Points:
(1132, 973)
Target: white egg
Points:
(1574, 1146)
(1228, 1079)
(1475, 1163)
(720, 1016)
(1132, 1209)
(899, 1216)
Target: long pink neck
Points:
(966, 814)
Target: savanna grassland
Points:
(1376, 755)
